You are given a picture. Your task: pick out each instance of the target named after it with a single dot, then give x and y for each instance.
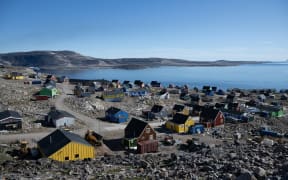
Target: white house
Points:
(59, 118)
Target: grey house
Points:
(59, 118)
(10, 120)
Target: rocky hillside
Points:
(59, 59)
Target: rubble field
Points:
(216, 154)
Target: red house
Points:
(211, 117)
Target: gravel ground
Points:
(203, 156)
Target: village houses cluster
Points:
(197, 113)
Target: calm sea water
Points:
(272, 75)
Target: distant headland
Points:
(73, 60)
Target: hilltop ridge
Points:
(71, 59)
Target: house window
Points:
(148, 130)
(76, 155)
(66, 158)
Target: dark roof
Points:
(49, 76)
(233, 105)
(113, 110)
(220, 105)
(57, 140)
(155, 83)
(138, 82)
(50, 84)
(194, 97)
(180, 118)
(178, 107)
(115, 80)
(270, 108)
(156, 108)
(8, 113)
(197, 107)
(209, 113)
(230, 96)
(16, 74)
(57, 114)
(135, 128)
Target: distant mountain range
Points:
(70, 59)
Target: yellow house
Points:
(61, 145)
(180, 123)
(180, 109)
(15, 76)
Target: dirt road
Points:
(101, 127)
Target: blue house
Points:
(138, 92)
(114, 114)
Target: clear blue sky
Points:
(187, 29)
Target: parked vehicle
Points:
(196, 129)
(169, 140)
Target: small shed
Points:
(211, 117)
(63, 79)
(139, 83)
(284, 97)
(195, 99)
(209, 93)
(59, 118)
(10, 120)
(15, 76)
(206, 88)
(61, 145)
(261, 98)
(114, 114)
(48, 92)
(159, 111)
(155, 84)
(230, 98)
(177, 108)
(233, 106)
(221, 92)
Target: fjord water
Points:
(270, 75)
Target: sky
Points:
(185, 29)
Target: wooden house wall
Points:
(147, 135)
(73, 149)
(65, 121)
(180, 128)
(48, 92)
(219, 120)
(10, 124)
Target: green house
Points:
(48, 92)
(274, 111)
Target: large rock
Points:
(260, 172)
(246, 176)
